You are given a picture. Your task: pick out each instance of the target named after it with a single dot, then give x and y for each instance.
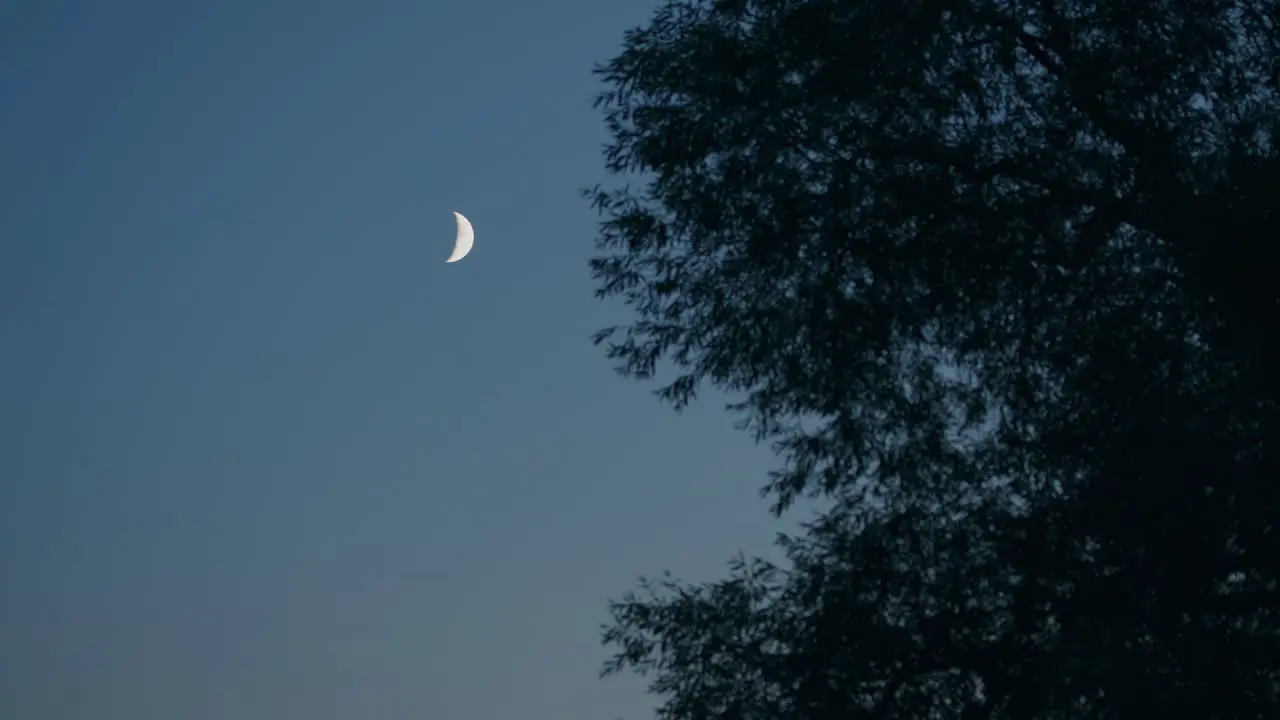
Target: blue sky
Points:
(263, 454)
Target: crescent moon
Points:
(466, 238)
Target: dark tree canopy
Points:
(997, 280)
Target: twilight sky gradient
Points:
(263, 454)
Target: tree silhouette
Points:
(996, 279)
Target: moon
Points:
(466, 238)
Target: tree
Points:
(995, 279)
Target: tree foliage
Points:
(996, 280)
